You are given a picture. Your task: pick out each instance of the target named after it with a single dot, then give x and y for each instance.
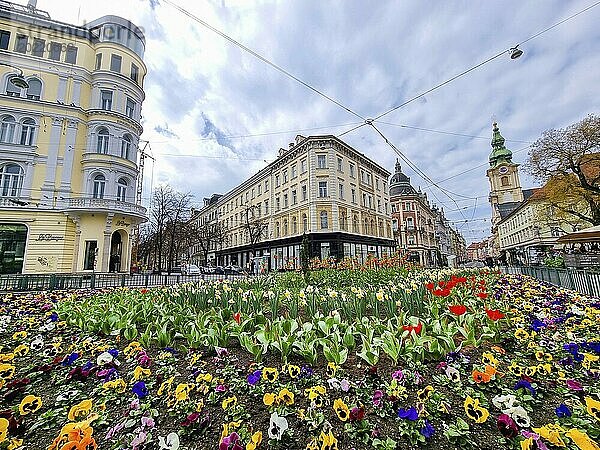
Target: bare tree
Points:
(567, 161)
(176, 226)
(255, 227)
(208, 236)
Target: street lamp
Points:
(18, 80)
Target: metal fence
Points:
(583, 281)
(50, 282)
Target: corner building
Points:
(319, 186)
(68, 142)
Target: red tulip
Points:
(430, 286)
(237, 317)
(458, 310)
(482, 295)
(494, 314)
(416, 329)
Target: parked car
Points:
(191, 269)
(233, 270)
(177, 269)
(207, 269)
(219, 270)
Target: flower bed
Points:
(357, 359)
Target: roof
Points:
(591, 234)
(400, 183)
(506, 208)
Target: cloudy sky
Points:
(214, 114)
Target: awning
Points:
(591, 234)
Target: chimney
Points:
(291, 144)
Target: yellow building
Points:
(319, 186)
(68, 141)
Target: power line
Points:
(476, 66)
(260, 57)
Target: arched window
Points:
(122, 189)
(355, 224)
(34, 91)
(504, 181)
(11, 180)
(324, 221)
(344, 222)
(285, 227)
(11, 89)
(277, 229)
(304, 223)
(7, 129)
(380, 228)
(373, 230)
(126, 146)
(27, 132)
(409, 223)
(294, 225)
(99, 185)
(366, 227)
(102, 146)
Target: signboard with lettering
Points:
(50, 237)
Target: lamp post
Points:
(18, 80)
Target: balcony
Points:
(85, 205)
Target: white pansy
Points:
(104, 358)
(277, 426)
(171, 442)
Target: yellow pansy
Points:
(19, 335)
(80, 410)
(551, 433)
(269, 398)
(30, 404)
(165, 385)
(286, 396)
(593, 407)
(490, 359)
(328, 441)
(270, 374)
(521, 334)
(204, 377)
(15, 444)
(474, 411)
(3, 429)
(255, 441)
(182, 391)
(588, 359)
(7, 371)
(293, 370)
(139, 373)
(582, 440)
(118, 385)
(229, 402)
(341, 409)
(21, 350)
(331, 369)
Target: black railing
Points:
(50, 282)
(584, 281)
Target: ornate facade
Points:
(68, 141)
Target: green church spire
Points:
(500, 154)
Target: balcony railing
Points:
(95, 204)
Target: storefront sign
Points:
(50, 237)
(122, 223)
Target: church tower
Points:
(505, 186)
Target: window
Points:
(340, 164)
(13, 238)
(294, 225)
(34, 91)
(27, 132)
(130, 108)
(285, 200)
(364, 199)
(55, 51)
(126, 146)
(277, 204)
(252, 195)
(102, 144)
(98, 186)
(21, 44)
(115, 63)
(294, 197)
(276, 180)
(324, 224)
(285, 176)
(4, 39)
(266, 207)
(259, 189)
(322, 161)
(71, 56)
(135, 72)
(304, 223)
(303, 166)
(277, 229)
(353, 195)
(122, 189)
(294, 171)
(11, 180)
(266, 185)
(106, 98)
(341, 191)
(38, 47)
(285, 227)
(322, 188)
(98, 61)
(378, 205)
(377, 183)
(504, 181)
(7, 129)
(304, 192)
(351, 170)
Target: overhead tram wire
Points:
(437, 86)
(261, 58)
